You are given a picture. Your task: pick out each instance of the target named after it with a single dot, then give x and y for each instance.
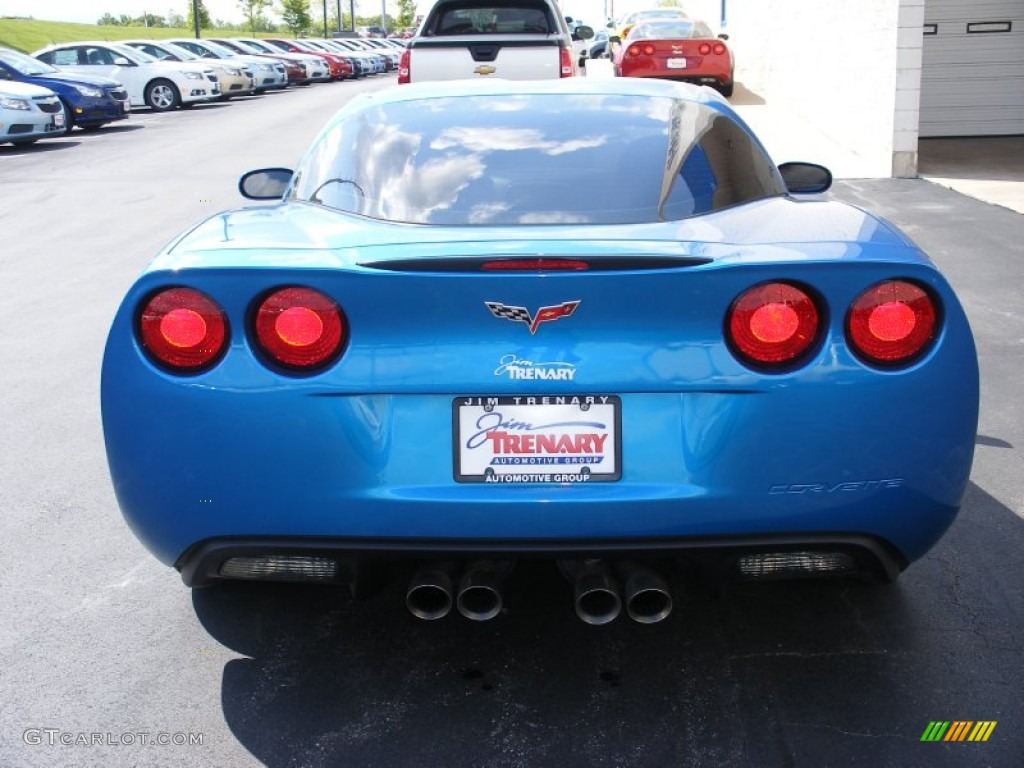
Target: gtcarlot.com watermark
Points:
(52, 737)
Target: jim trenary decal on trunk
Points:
(537, 439)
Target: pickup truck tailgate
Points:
(520, 57)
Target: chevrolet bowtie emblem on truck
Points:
(485, 69)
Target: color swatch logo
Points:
(958, 730)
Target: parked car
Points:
(676, 49)
(89, 102)
(391, 54)
(296, 69)
(269, 74)
(375, 63)
(625, 23)
(599, 45)
(316, 68)
(339, 67)
(350, 66)
(159, 85)
(449, 343)
(29, 113)
(234, 79)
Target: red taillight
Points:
(773, 324)
(891, 323)
(704, 49)
(300, 328)
(403, 67)
(183, 329)
(568, 70)
(719, 49)
(535, 265)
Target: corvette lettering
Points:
(851, 486)
(533, 321)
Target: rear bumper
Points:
(346, 561)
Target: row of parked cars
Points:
(91, 83)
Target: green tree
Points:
(204, 15)
(295, 15)
(107, 21)
(253, 10)
(406, 14)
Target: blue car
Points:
(89, 101)
(467, 331)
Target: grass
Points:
(29, 35)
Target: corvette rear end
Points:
(773, 388)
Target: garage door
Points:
(972, 76)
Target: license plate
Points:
(553, 439)
(58, 120)
(676, 63)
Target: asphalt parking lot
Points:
(102, 650)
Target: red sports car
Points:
(676, 49)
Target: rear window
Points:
(483, 18)
(485, 161)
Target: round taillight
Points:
(648, 50)
(183, 329)
(773, 324)
(299, 328)
(719, 49)
(634, 50)
(704, 49)
(891, 323)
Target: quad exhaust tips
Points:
(431, 593)
(600, 592)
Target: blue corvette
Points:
(471, 331)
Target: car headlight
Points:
(192, 75)
(92, 93)
(9, 103)
(233, 72)
(267, 67)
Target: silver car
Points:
(29, 113)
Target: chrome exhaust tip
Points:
(596, 594)
(648, 599)
(429, 594)
(479, 596)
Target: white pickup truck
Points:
(508, 39)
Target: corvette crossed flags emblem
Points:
(522, 314)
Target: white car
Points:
(159, 85)
(29, 113)
(234, 79)
(268, 74)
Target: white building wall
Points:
(850, 71)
